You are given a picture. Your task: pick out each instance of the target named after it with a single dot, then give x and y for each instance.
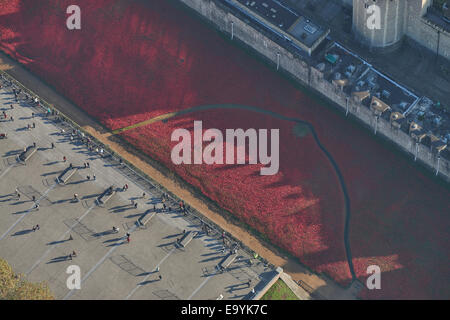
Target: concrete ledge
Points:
(258, 295)
(67, 174)
(106, 195)
(301, 293)
(187, 238)
(27, 154)
(146, 218)
(229, 259)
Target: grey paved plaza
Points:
(111, 268)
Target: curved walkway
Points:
(330, 158)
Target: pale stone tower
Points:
(394, 17)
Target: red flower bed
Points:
(299, 209)
(134, 60)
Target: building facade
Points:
(384, 24)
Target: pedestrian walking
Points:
(34, 144)
(249, 282)
(88, 178)
(143, 195)
(28, 126)
(12, 119)
(135, 205)
(11, 107)
(87, 164)
(160, 277)
(128, 239)
(34, 125)
(33, 198)
(93, 176)
(70, 237)
(64, 159)
(32, 114)
(53, 145)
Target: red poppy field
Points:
(134, 60)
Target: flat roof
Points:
(286, 20)
(306, 31)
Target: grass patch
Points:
(14, 287)
(279, 291)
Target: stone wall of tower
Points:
(425, 33)
(399, 18)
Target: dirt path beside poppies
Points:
(319, 284)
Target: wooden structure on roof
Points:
(437, 143)
(378, 106)
(359, 96)
(397, 119)
(416, 131)
(340, 82)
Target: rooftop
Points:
(286, 21)
(433, 118)
(342, 67)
